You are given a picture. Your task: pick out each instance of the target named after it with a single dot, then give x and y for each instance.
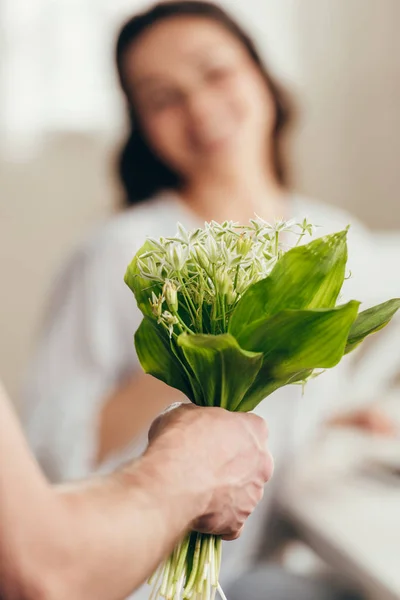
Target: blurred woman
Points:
(206, 132)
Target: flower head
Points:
(214, 265)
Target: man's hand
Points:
(204, 468)
(225, 458)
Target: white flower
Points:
(170, 321)
(170, 294)
(212, 268)
(211, 248)
(308, 227)
(176, 255)
(223, 281)
(156, 303)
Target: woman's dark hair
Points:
(141, 172)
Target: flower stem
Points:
(188, 300)
(196, 560)
(182, 323)
(221, 593)
(164, 584)
(191, 572)
(202, 563)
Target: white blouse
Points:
(86, 348)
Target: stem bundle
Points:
(191, 572)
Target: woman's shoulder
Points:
(111, 244)
(122, 233)
(154, 217)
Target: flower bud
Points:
(170, 294)
(231, 295)
(170, 321)
(243, 282)
(156, 303)
(176, 256)
(244, 245)
(212, 249)
(202, 258)
(223, 281)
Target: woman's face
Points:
(201, 101)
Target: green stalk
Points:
(223, 313)
(189, 302)
(214, 313)
(213, 563)
(193, 574)
(221, 593)
(180, 567)
(218, 550)
(164, 584)
(200, 555)
(152, 579)
(182, 323)
(171, 575)
(236, 277)
(299, 239)
(156, 587)
(200, 571)
(200, 311)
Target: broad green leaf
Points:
(370, 321)
(295, 342)
(140, 286)
(309, 276)
(224, 371)
(157, 358)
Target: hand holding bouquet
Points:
(230, 317)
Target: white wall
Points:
(46, 206)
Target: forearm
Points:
(127, 523)
(28, 509)
(94, 541)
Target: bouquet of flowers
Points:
(231, 314)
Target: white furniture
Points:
(348, 510)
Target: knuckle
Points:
(234, 534)
(263, 428)
(260, 494)
(259, 425)
(155, 427)
(207, 524)
(267, 468)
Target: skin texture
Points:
(102, 538)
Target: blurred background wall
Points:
(61, 118)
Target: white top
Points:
(86, 347)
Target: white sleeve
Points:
(85, 349)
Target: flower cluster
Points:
(207, 271)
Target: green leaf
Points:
(370, 321)
(295, 342)
(158, 359)
(309, 276)
(140, 286)
(224, 371)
